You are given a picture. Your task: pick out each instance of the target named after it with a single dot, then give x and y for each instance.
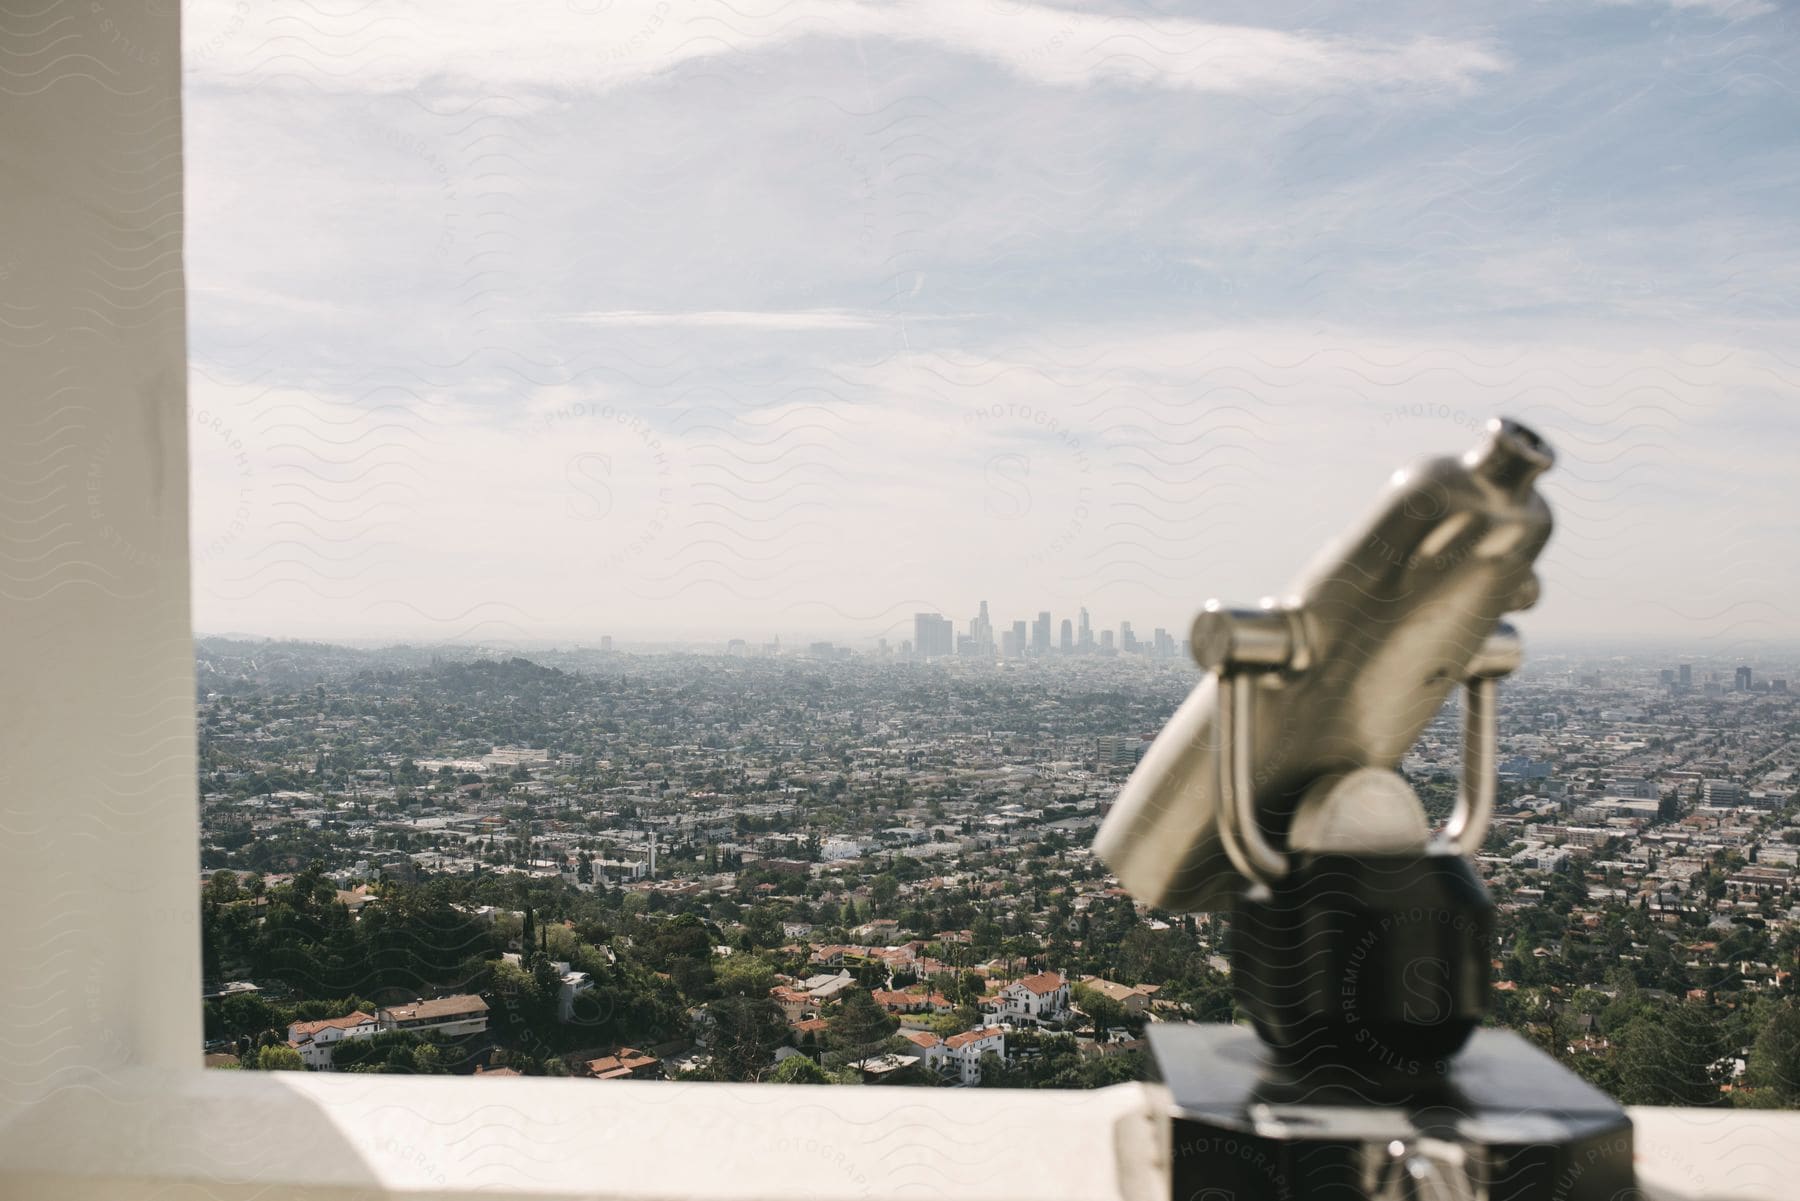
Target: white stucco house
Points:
(1034, 999)
(572, 985)
(316, 1041)
(964, 1051)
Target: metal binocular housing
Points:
(1360, 937)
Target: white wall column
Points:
(98, 828)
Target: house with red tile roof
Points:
(963, 1051)
(1134, 1000)
(627, 1063)
(796, 1003)
(1034, 999)
(896, 1002)
(911, 1002)
(930, 1046)
(316, 1041)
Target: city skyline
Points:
(935, 636)
(902, 629)
(1677, 668)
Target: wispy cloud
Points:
(797, 319)
(1068, 48)
(1737, 10)
(461, 43)
(667, 316)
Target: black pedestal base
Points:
(1513, 1122)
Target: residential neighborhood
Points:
(815, 864)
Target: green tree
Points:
(1774, 1065)
(744, 976)
(798, 1069)
(1114, 1069)
(239, 1015)
(279, 1057)
(860, 1029)
(762, 926)
(745, 1032)
(1666, 1056)
(1106, 1012)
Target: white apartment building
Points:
(317, 1041)
(966, 1049)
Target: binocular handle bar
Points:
(1239, 645)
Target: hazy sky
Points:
(548, 320)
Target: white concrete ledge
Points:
(319, 1137)
(290, 1136)
(1717, 1154)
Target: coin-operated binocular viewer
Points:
(1359, 938)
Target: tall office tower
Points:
(1743, 679)
(606, 642)
(1119, 750)
(933, 635)
(981, 631)
(1009, 644)
(1686, 671)
(1127, 640)
(1164, 643)
(1084, 633)
(1040, 633)
(1667, 677)
(1106, 642)
(1067, 641)
(971, 643)
(1020, 640)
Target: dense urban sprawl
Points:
(874, 867)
